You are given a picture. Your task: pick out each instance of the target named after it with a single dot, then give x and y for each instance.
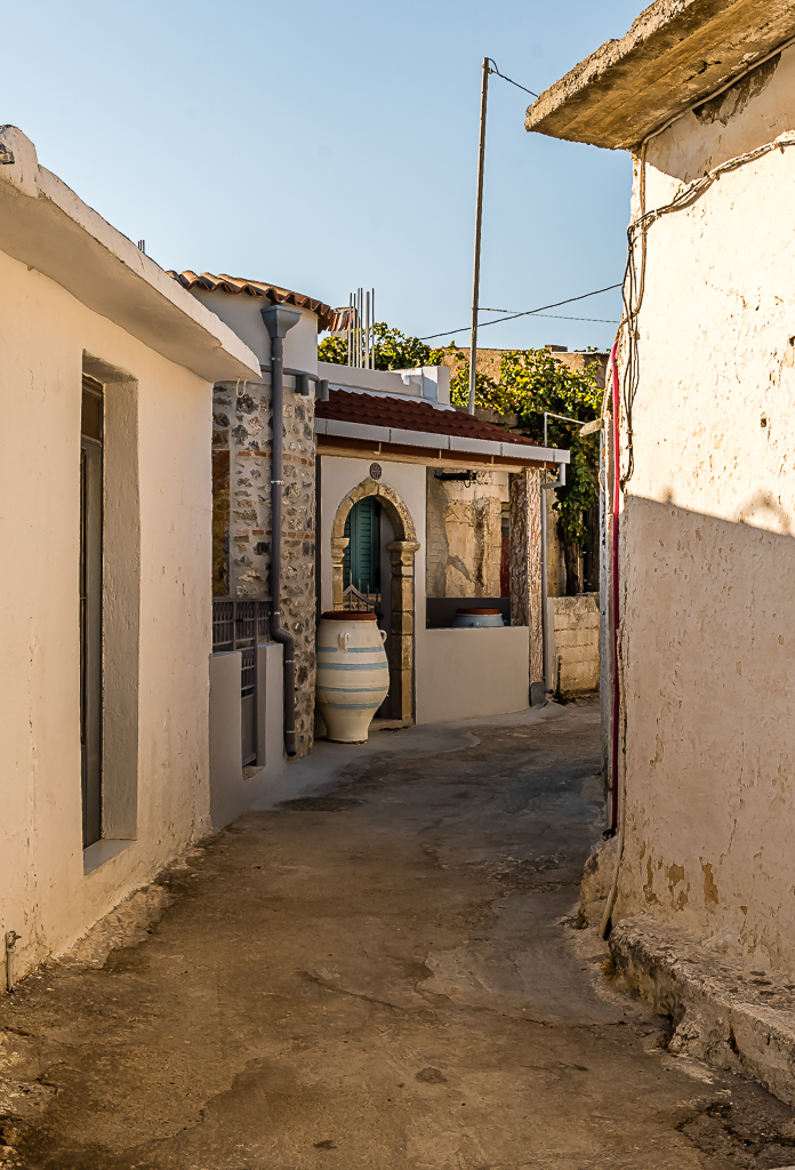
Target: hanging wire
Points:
(510, 80)
(525, 313)
(635, 279)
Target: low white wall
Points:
(429, 382)
(471, 672)
(231, 793)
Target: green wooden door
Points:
(362, 563)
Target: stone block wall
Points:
(573, 632)
(242, 536)
(464, 535)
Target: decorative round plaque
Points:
(375, 471)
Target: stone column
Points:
(401, 644)
(338, 546)
(525, 536)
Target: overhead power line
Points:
(510, 80)
(525, 313)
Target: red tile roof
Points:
(326, 316)
(384, 410)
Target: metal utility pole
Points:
(473, 345)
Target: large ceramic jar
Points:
(474, 618)
(352, 673)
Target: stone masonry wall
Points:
(242, 537)
(464, 536)
(574, 650)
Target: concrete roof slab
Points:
(676, 54)
(45, 225)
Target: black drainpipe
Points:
(278, 320)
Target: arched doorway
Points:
(400, 602)
(361, 566)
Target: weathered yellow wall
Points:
(44, 894)
(464, 535)
(707, 548)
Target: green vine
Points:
(530, 382)
(533, 381)
(392, 350)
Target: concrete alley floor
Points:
(379, 976)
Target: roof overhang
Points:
(237, 285)
(676, 54)
(427, 446)
(46, 226)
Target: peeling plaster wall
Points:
(44, 894)
(464, 535)
(708, 538)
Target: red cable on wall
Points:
(616, 498)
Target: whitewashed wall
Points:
(708, 537)
(163, 556)
(458, 673)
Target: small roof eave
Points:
(45, 225)
(432, 441)
(676, 54)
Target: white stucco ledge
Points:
(46, 226)
(461, 445)
(738, 1019)
(676, 54)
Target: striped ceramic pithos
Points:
(352, 673)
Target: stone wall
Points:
(489, 360)
(573, 644)
(464, 535)
(242, 427)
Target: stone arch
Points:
(401, 555)
(390, 501)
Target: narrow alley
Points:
(382, 974)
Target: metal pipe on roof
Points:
(349, 327)
(367, 330)
(279, 319)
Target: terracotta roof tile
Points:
(326, 316)
(383, 410)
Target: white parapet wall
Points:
(464, 673)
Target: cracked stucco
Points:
(707, 551)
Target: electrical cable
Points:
(561, 317)
(525, 313)
(635, 277)
(510, 80)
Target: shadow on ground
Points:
(381, 975)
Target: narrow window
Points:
(91, 492)
(362, 557)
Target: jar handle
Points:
(343, 639)
(383, 636)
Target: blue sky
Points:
(324, 146)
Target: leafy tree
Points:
(393, 350)
(531, 382)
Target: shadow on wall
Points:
(708, 649)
